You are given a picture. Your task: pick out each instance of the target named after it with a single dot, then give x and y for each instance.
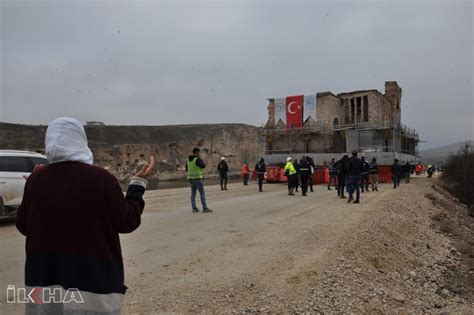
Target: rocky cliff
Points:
(121, 149)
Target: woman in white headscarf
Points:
(72, 213)
(66, 141)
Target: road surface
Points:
(255, 245)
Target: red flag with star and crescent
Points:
(294, 111)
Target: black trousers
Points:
(292, 181)
(396, 180)
(260, 178)
(310, 182)
(304, 184)
(224, 179)
(246, 179)
(332, 179)
(364, 182)
(341, 184)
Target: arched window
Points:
(335, 122)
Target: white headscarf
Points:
(66, 140)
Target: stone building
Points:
(365, 120)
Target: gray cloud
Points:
(165, 62)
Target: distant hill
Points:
(122, 149)
(31, 137)
(440, 154)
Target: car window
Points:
(14, 164)
(37, 161)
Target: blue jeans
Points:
(353, 185)
(197, 184)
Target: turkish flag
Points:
(294, 111)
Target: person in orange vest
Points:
(245, 173)
(418, 169)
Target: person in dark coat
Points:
(72, 215)
(312, 167)
(341, 175)
(332, 174)
(353, 169)
(396, 172)
(260, 169)
(407, 172)
(223, 169)
(364, 175)
(374, 174)
(304, 172)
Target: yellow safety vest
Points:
(194, 171)
(289, 166)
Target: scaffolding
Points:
(367, 136)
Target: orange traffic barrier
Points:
(385, 173)
(321, 176)
(275, 174)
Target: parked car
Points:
(14, 165)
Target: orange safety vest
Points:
(245, 169)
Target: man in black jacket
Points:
(260, 169)
(396, 171)
(407, 172)
(312, 167)
(332, 174)
(364, 175)
(223, 169)
(305, 172)
(341, 175)
(353, 169)
(374, 174)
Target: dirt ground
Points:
(272, 253)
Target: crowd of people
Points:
(348, 175)
(351, 175)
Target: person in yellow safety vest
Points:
(195, 170)
(429, 170)
(292, 175)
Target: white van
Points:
(14, 165)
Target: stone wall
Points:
(393, 94)
(329, 107)
(122, 149)
(321, 143)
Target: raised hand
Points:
(37, 167)
(147, 168)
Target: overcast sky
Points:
(174, 62)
